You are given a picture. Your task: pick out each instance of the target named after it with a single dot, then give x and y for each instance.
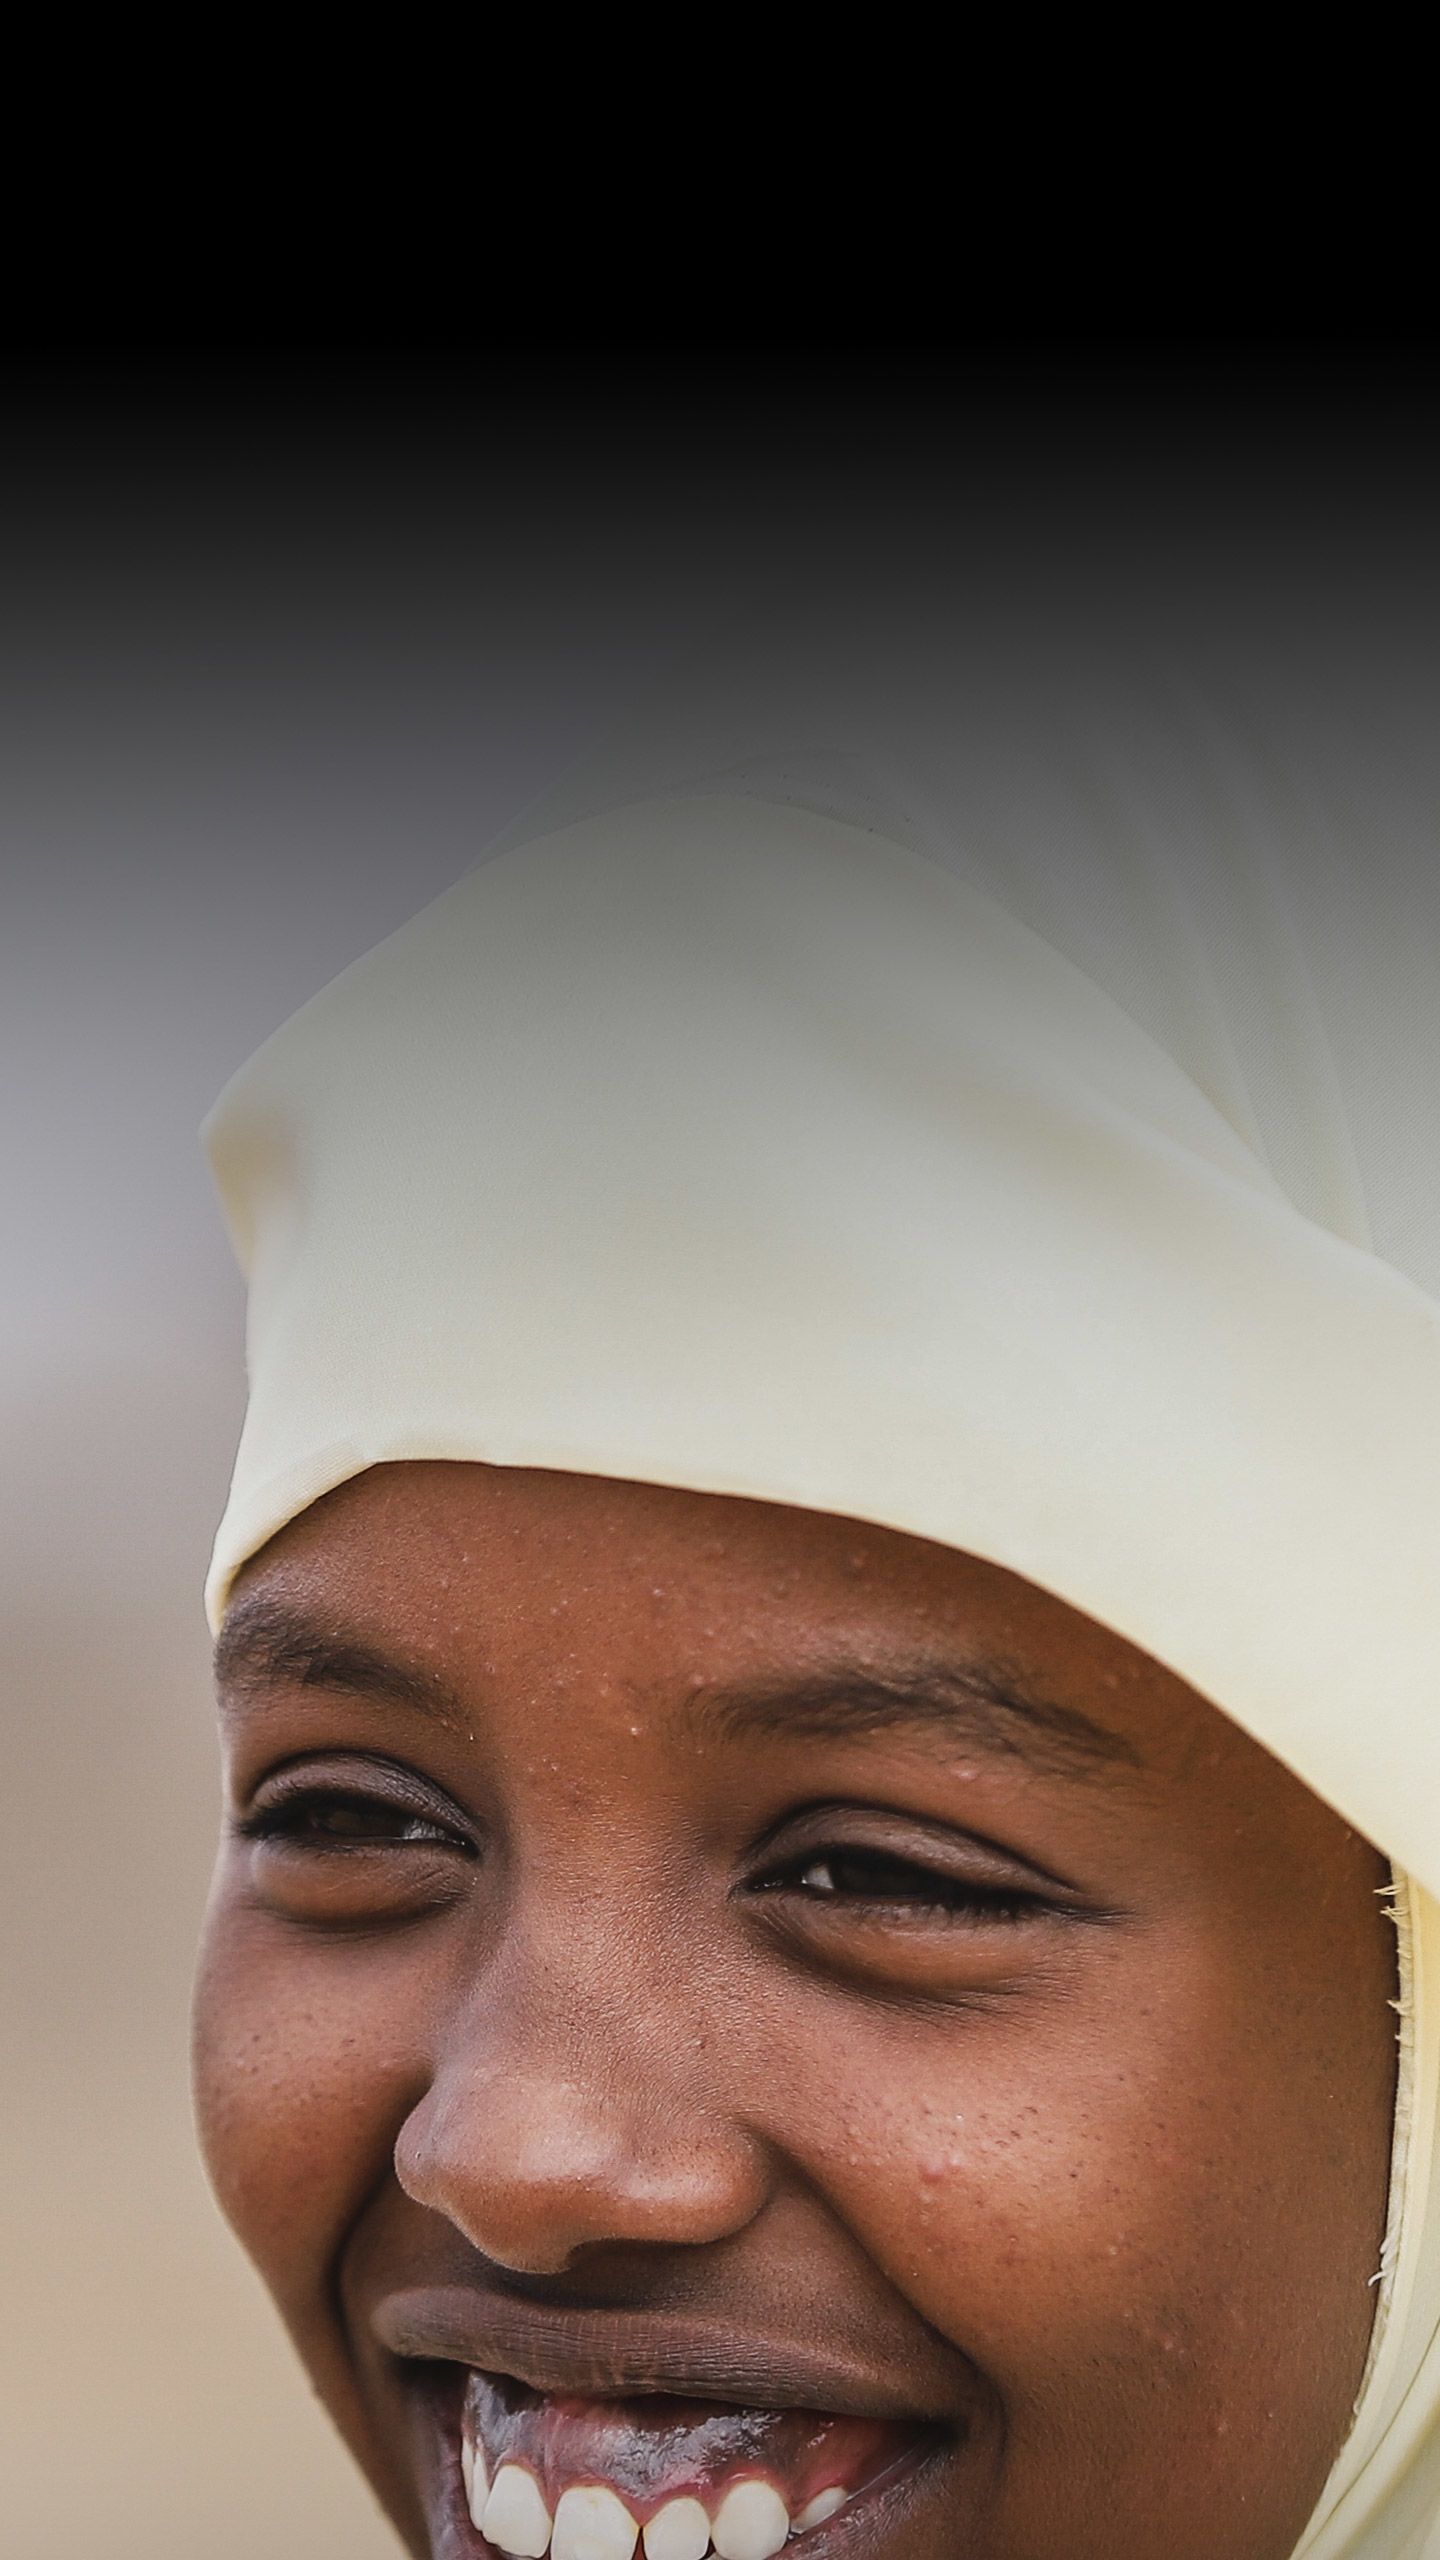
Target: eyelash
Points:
(292, 1816)
(921, 1888)
(880, 1882)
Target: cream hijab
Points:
(988, 1088)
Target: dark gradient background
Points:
(286, 632)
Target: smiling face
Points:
(708, 2009)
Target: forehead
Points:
(454, 1555)
(463, 1581)
(447, 1544)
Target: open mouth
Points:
(599, 2479)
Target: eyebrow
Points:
(263, 1644)
(981, 1706)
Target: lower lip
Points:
(880, 2470)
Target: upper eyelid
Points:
(303, 1774)
(1024, 1874)
(302, 1769)
(271, 1821)
(278, 1789)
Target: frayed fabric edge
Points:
(1395, 1897)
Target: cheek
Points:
(1115, 2207)
(1022, 2191)
(307, 2059)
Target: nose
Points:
(568, 2112)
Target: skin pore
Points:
(668, 1943)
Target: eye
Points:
(876, 1883)
(351, 1807)
(361, 1844)
(328, 1818)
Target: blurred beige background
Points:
(219, 782)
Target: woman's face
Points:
(699, 1993)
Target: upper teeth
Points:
(751, 2522)
(820, 2510)
(680, 2531)
(515, 2515)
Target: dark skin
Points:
(667, 1939)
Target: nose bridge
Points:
(574, 2100)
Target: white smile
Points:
(750, 2519)
(736, 2509)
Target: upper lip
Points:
(617, 2354)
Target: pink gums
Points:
(653, 2449)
